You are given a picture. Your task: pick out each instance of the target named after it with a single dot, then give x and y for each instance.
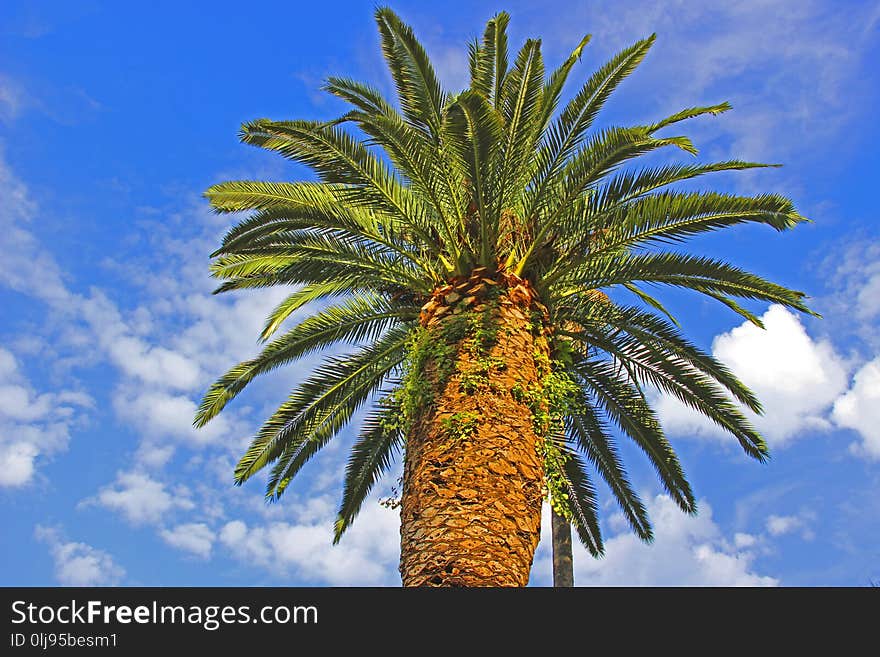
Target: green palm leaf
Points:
(582, 502)
(594, 438)
(319, 407)
(418, 90)
(370, 458)
(488, 63)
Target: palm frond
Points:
(582, 502)
(624, 402)
(418, 89)
(318, 409)
(690, 113)
(488, 62)
(647, 363)
(594, 438)
(630, 185)
(673, 216)
(370, 457)
(566, 133)
(701, 274)
(476, 128)
(604, 152)
(359, 318)
(556, 83)
(522, 97)
(654, 330)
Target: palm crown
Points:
(505, 180)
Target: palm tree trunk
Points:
(563, 565)
(473, 470)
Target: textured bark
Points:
(471, 500)
(563, 566)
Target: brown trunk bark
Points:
(473, 469)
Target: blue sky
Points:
(114, 117)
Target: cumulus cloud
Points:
(166, 347)
(25, 267)
(800, 523)
(796, 378)
(79, 564)
(804, 383)
(193, 537)
(367, 555)
(852, 305)
(786, 78)
(744, 540)
(135, 357)
(177, 340)
(859, 409)
(687, 551)
(32, 424)
(141, 499)
(160, 414)
(17, 463)
(163, 372)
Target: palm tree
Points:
(486, 258)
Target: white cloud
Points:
(160, 414)
(787, 66)
(79, 564)
(166, 345)
(156, 365)
(866, 304)
(743, 540)
(8, 365)
(17, 403)
(796, 378)
(194, 537)
(16, 463)
(800, 523)
(166, 349)
(687, 551)
(174, 342)
(170, 347)
(851, 306)
(31, 424)
(25, 267)
(859, 409)
(802, 382)
(12, 98)
(135, 357)
(141, 499)
(367, 555)
(152, 455)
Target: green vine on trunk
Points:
(433, 357)
(554, 477)
(416, 389)
(460, 425)
(549, 400)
